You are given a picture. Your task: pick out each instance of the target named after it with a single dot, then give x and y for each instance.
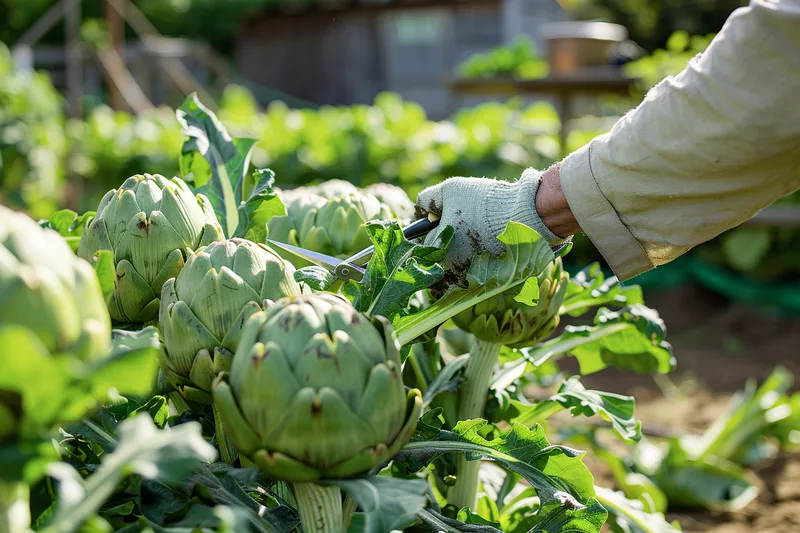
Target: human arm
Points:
(704, 152)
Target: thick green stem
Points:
(471, 404)
(348, 509)
(15, 512)
(320, 507)
(284, 491)
(178, 403)
(226, 449)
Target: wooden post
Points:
(116, 33)
(74, 63)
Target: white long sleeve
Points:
(705, 151)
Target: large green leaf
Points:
(143, 449)
(627, 515)
(433, 522)
(526, 255)
(257, 209)
(388, 504)
(614, 408)
(556, 472)
(214, 161)
(397, 269)
(746, 419)
(590, 288)
(132, 367)
(710, 483)
(631, 338)
(563, 519)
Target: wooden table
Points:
(562, 88)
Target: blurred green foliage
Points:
(32, 139)
(519, 60)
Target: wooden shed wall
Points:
(349, 56)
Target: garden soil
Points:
(718, 346)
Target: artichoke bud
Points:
(203, 310)
(51, 306)
(150, 224)
(503, 320)
(312, 365)
(337, 228)
(393, 196)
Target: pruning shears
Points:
(353, 267)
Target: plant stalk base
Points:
(320, 507)
(471, 404)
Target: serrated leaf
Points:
(434, 522)
(614, 408)
(69, 225)
(589, 288)
(631, 514)
(220, 483)
(556, 472)
(526, 255)
(589, 519)
(143, 449)
(629, 339)
(388, 504)
(397, 269)
(215, 162)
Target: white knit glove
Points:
(478, 209)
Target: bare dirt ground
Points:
(719, 346)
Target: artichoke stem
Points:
(348, 509)
(471, 404)
(320, 507)
(178, 403)
(15, 514)
(226, 449)
(284, 491)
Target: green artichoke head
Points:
(337, 227)
(393, 196)
(51, 305)
(503, 320)
(315, 390)
(333, 188)
(151, 224)
(204, 309)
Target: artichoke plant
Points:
(393, 196)
(315, 390)
(51, 308)
(151, 224)
(337, 228)
(503, 320)
(204, 309)
(333, 227)
(495, 322)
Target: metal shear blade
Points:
(353, 266)
(341, 268)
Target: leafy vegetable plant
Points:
(403, 401)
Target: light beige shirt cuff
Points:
(598, 219)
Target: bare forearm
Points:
(552, 206)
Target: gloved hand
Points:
(478, 209)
